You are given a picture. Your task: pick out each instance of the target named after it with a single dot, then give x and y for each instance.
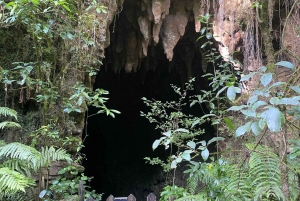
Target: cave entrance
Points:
(116, 147)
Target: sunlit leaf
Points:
(255, 128)
(273, 117)
(265, 79)
(295, 88)
(231, 94)
(243, 129)
(205, 154)
(247, 77)
(286, 64)
(215, 139)
(191, 144)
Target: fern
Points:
(9, 124)
(12, 181)
(23, 152)
(50, 154)
(5, 111)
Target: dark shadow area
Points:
(116, 147)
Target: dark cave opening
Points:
(116, 147)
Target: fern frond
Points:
(19, 196)
(5, 111)
(50, 154)
(18, 165)
(265, 171)
(12, 181)
(9, 124)
(23, 152)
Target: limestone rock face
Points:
(149, 22)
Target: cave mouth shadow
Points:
(116, 147)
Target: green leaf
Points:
(265, 79)
(255, 128)
(195, 123)
(247, 77)
(229, 123)
(236, 108)
(70, 36)
(215, 139)
(66, 7)
(221, 90)
(263, 69)
(262, 123)
(205, 154)
(168, 133)
(258, 104)
(295, 88)
(249, 113)
(156, 143)
(273, 118)
(185, 155)
(243, 129)
(79, 102)
(191, 144)
(173, 164)
(208, 35)
(288, 101)
(231, 93)
(286, 64)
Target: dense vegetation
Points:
(54, 53)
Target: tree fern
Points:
(12, 181)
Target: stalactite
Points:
(149, 22)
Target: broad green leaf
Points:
(70, 36)
(191, 144)
(173, 164)
(276, 84)
(265, 79)
(274, 100)
(247, 77)
(262, 123)
(156, 143)
(273, 118)
(203, 30)
(249, 113)
(186, 156)
(243, 129)
(295, 88)
(215, 139)
(236, 108)
(195, 123)
(229, 123)
(231, 94)
(42, 193)
(288, 101)
(263, 69)
(258, 104)
(205, 154)
(252, 99)
(168, 133)
(63, 35)
(255, 128)
(286, 64)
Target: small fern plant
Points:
(18, 161)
